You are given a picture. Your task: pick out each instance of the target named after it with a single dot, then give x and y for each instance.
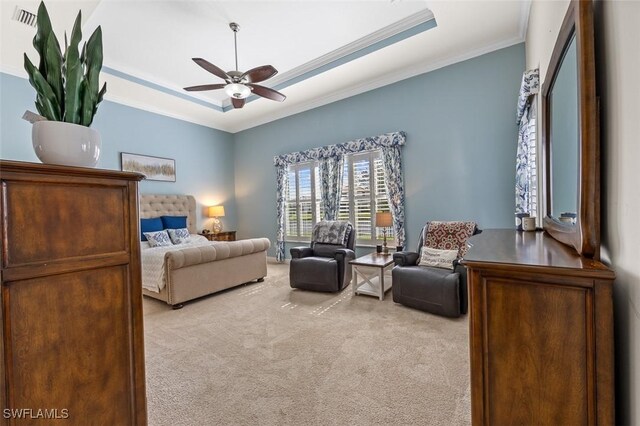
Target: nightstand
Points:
(221, 236)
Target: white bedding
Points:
(153, 278)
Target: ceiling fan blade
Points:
(237, 103)
(211, 68)
(204, 87)
(258, 74)
(265, 92)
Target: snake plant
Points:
(67, 87)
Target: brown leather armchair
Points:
(322, 267)
(435, 290)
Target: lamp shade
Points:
(216, 211)
(384, 219)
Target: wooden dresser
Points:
(541, 332)
(72, 336)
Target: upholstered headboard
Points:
(155, 205)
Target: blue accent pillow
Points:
(174, 222)
(150, 225)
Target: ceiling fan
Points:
(239, 85)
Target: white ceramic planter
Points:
(68, 144)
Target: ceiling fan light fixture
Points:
(239, 85)
(237, 90)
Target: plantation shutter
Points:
(361, 175)
(291, 211)
(381, 196)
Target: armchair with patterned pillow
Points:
(325, 265)
(432, 279)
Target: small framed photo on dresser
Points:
(154, 168)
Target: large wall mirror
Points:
(570, 135)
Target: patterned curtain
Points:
(392, 162)
(331, 185)
(333, 152)
(281, 181)
(526, 168)
(357, 145)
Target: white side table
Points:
(369, 274)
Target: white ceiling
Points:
(148, 46)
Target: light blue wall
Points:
(204, 156)
(459, 160)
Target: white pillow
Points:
(437, 258)
(179, 236)
(158, 238)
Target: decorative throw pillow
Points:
(150, 225)
(449, 235)
(174, 222)
(179, 236)
(330, 232)
(437, 258)
(157, 239)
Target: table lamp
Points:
(384, 220)
(215, 212)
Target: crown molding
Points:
(400, 75)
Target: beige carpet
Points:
(264, 354)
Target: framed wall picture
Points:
(154, 168)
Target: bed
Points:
(201, 267)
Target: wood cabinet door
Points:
(537, 339)
(532, 350)
(67, 349)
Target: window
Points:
(363, 194)
(302, 202)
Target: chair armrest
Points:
(406, 258)
(461, 269)
(464, 296)
(344, 254)
(300, 252)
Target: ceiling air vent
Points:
(24, 16)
